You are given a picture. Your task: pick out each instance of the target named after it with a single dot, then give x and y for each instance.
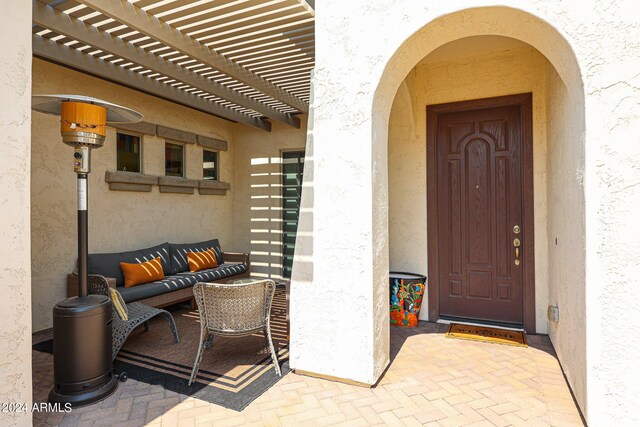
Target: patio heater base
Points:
(82, 369)
(86, 398)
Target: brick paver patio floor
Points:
(432, 380)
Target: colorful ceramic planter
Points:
(406, 292)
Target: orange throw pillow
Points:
(201, 260)
(145, 272)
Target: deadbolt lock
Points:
(516, 243)
(516, 229)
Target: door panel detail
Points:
(479, 198)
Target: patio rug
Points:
(233, 372)
(487, 334)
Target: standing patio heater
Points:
(82, 330)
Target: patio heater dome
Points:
(53, 104)
(82, 325)
(83, 119)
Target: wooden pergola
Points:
(242, 60)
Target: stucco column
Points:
(612, 193)
(339, 292)
(15, 237)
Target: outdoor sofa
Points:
(179, 280)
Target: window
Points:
(128, 152)
(210, 165)
(174, 159)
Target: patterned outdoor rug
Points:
(233, 372)
(487, 334)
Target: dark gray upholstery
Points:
(148, 290)
(174, 263)
(179, 281)
(143, 255)
(108, 264)
(225, 270)
(179, 261)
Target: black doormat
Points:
(232, 374)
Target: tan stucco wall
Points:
(257, 203)
(520, 69)
(565, 123)
(15, 263)
(118, 220)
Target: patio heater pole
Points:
(83, 234)
(83, 126)
(82, 166)
(82, 326)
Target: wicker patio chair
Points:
(234, 310)
(138, 314)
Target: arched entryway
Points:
(464, 66)
(355, 206)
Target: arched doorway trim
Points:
(494, 20)
(566, 207)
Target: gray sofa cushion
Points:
(180, 281)
(218, 273)
(108, 264)
(147, 254)
(178, 252)
(148, 290)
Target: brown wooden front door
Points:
(480, 211)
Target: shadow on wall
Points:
(267, 218)
(302, 268)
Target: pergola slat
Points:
(216, 40)
(247, 18)
(297, 60)
(203, 12)
(309, 64)
(77, 30)
(300, 47)
(288, 34)
(55, 52)
(149, 25)
(257, 46)
(276, 53)
(271, 40)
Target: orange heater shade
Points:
(83, 117)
